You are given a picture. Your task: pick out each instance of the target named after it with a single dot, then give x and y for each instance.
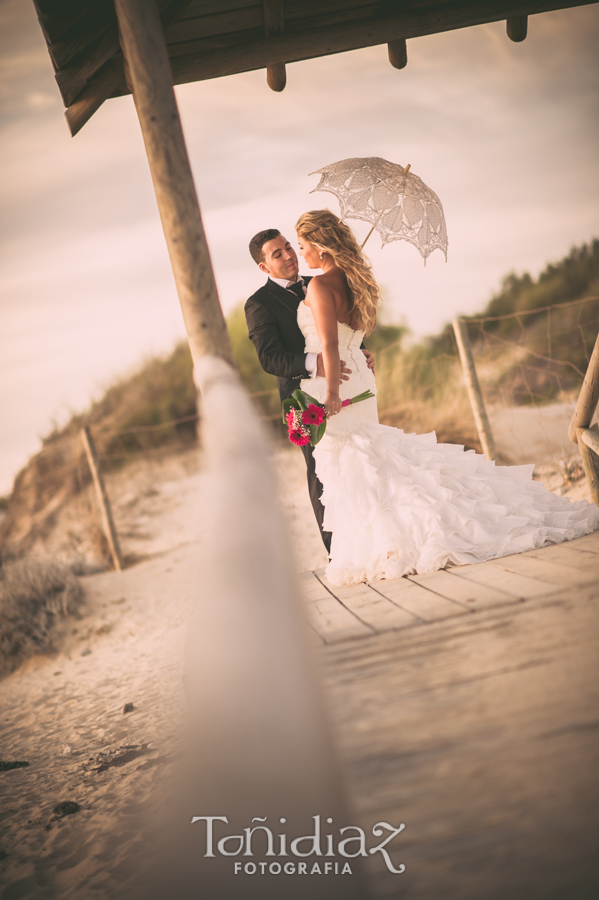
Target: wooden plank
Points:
(492, 575)
(57, 17)
(467, 593)
(207, 7)
(108, 80)
(589, 543)
(459, 738)
(371, 607)
(558, 574)
(567, 554)
(426, 605)
(192, 29)
(329, 618)
(97, 20)
(72, 80)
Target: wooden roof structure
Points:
(211, 38)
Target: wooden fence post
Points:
(580, 431)
(102, 498)
(588, 442)
(588, 397)
(473, 387)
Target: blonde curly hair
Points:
(329, 234)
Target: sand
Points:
(64, 714)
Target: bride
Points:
(399, 504)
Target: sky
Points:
(506, 134)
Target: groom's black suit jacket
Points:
(271, 316)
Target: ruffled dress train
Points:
(400, 504)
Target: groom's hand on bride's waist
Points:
(369, 359)
(345, 372)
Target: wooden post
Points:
(259, 736)
(274, 23)
(517, 28)
(588, 397)
(588, 442)
(102, 498)
(398, 53)
(144, 48)
(473, 387)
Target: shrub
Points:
(37, 596)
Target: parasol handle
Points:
(367, 236)
(373, 227)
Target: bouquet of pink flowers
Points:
(306, 418)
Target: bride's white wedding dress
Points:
(399, 504)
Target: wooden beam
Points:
(517, 28)
(588, 397)
(398, 53)
(274, 24)
(276, 77)
(144, 48)
(473, 387)
(314, 42)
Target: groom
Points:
(271, 316)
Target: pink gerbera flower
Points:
(314, 415)
(299, 436)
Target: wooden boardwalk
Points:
(466, 705)
(362, 610)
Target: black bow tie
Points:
(297, 288)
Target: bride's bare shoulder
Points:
(319, 288)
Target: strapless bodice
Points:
(351, 418)
(348, 338)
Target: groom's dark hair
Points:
(258, 242)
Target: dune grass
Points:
(37, 597)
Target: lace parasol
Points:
(395, 202)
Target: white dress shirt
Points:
(311, 358)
